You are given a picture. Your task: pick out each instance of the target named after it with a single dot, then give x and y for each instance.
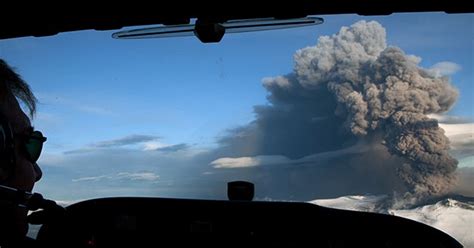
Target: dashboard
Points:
(162, 222)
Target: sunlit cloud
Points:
(243, 162)
(152, 145)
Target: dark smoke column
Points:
(380, 91)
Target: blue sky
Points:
(93, 88)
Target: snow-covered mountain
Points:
(454, 217)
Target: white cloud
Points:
(234, 162)
(444, 68)
(136, 176)
(96, 178)
(152, 145)
(243, 162)
(453, 130)
(142, 176)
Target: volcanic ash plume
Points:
(350, 87)
(381, 89)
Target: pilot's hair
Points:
(12, 83)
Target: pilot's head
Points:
(18, 155)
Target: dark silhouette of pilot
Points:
(20, 147)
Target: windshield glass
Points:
(364, 113)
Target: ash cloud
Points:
(465, 184)
(351, 88)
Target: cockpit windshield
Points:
(370, 113)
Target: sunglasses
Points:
(34, 145)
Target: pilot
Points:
(20, 147)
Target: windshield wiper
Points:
(209, 31)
